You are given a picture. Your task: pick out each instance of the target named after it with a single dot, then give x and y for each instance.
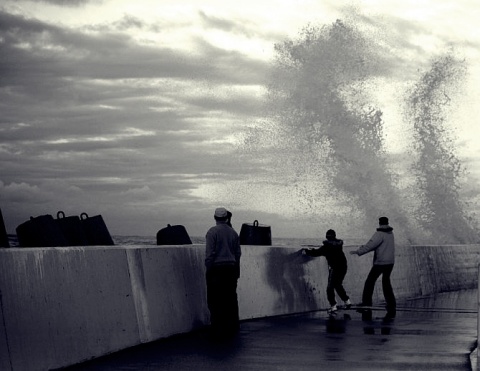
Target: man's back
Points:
(222, 245)
(383, 243)
(385, 253)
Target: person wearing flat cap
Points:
(222, 262)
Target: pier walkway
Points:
(437, 333)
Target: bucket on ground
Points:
(3, 232)
(72, 229)
(173, 235)
(41, 231)
(255, 234)
(96, 230)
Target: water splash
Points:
(437, 168)
(324, 126)
(325, 135)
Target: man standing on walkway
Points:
(383, 245)
(222, 263)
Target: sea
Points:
(152, 240)
(276, 241)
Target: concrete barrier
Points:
(64, 305)
(60, 304)
(476, 361)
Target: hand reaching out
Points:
(306, 252)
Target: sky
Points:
(133, 109)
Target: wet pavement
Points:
(436, 333)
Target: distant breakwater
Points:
(65, 305)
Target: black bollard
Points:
(72, 229)
(3, 232)
(255, 234)
(96, 230)
(41, 231)
(173, 235)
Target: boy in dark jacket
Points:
(332, 250)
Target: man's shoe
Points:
(332, 309)
(348, 303)
(391, 314)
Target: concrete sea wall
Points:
(61, 306)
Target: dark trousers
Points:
(385, 271)
(335, 283)
(222, 299)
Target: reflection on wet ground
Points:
(434, 333)
(457, 301)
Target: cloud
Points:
(111, 77)
(119, 121)
(55, 52)
(69, 3)
(239, 27)
(70, 65)
(23, 193)
(136, 116)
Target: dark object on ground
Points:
(3, 232)
(96, 230)
(72, 229)
(173, 235)
(41, 231)
(255, 234)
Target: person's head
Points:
(229, 218)
(330, 235)
(383, 220)
(221, 214)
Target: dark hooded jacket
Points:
(332, 250)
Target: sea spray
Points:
(436, 167)
(323, 137)
(324, 130)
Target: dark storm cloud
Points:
(91, 118)
(58, 70)
(57, 77)
(46, 50)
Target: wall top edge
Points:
(136, 247)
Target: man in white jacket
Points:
(383, 244)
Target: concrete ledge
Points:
(475, 357)
(61, 306)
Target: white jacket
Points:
(383, 243)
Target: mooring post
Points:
(3, 232)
